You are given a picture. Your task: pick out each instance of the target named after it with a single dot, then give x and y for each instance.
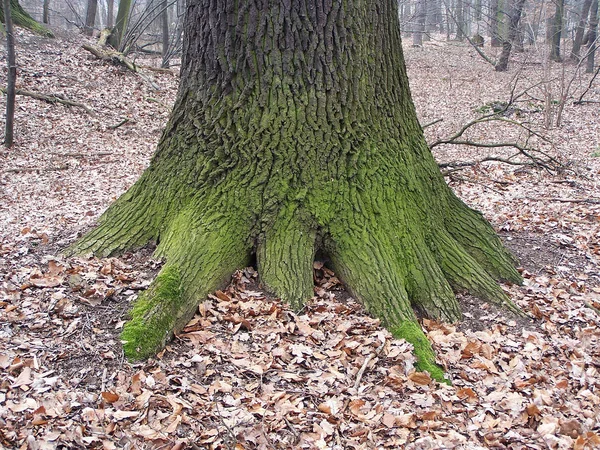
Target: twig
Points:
(592, 201)
(293, 430)
(368, 359)
(117, 125)
(431, 123)
(51, 99)
(79, 155)
(36, 169)
(592, 307)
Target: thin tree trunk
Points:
(460, 20)
(556, 29)
(110, 13)
(593, 34)
(495, 40)
(12, 75)
(419, 23)
(123, 12)
(46, 11)
(165, 33)
(583, 18)
(513, 30)
(90, 17)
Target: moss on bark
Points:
(22, 19)
(293, 131)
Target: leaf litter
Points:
(247, 372)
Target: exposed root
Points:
(285, 258)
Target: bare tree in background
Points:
(555, 28)
(165, 32)
(592, 37)
(421, 15)
(90, 17)
(514, 18)
(585, 11)
(12, 75)
(110, 13)
(45, 13)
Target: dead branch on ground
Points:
(53, 98)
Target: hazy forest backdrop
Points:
(519, 143)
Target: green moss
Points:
(24, 20)
(153, 316)
(412, 332)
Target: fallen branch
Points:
(51, 99)
(431, 123)
(117, 125)
(592, 201)
(80, 155)
(35, 169)
(110, 56)
(119, 59)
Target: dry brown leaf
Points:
(421, 378)
(110, 397)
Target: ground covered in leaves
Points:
(249, 373)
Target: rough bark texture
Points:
(46, 12)
(294, 130)
(513, 30)
(20, 18)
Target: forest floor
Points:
(248, 372)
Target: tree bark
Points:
(110, 13)
(593, 35)
(495, 40)
(46, 12)
(513, 30)
(165, 33)
(556, 29)
(123, 12)
(90, 17)
(421, 14)
(585, 12)
(21, 18)
(294, 131)
(11, 76)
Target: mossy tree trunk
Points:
(294, 130)
(21, 18)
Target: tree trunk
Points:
(11, 76)
(165, 33)
(90, 17)
(21, 18)
(495, 40)
(420, 23)
(585, 11)
(513, 30)
(110, 13)
(556, 29)
(460, 20)
(121, 24)
(294, 131)
(593, 34)
(46, 12)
